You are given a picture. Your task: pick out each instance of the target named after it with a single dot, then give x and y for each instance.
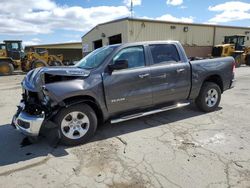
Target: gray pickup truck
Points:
(118, 83)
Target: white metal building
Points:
(197, 39)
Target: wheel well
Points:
(215, 79)
(87, 100)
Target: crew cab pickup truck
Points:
(118, 83)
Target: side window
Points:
(162, 53)
(12, 46)
(134, 56)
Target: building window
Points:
(116, 39)
(97, 44)
(173, 27)
(185, 29)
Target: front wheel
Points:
(209, 97)
(76, 124)
(6, 68)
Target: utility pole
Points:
(131, 9)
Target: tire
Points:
(6, 68)
(79, 131)
(38, 63)
(209, 97)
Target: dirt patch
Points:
(105, 163)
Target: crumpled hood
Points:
(34, 78)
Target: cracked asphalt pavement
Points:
(178, 148)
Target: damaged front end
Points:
(34, 108)
(38, 105)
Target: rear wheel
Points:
(209, 97)
(76, 124)
(6, 68)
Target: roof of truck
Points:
(151, 42)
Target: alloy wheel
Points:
(75, 125)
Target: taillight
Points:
(234, 67)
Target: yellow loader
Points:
(233, 46)
(11, 54)
(36, 58)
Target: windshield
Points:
(95, 58)
(14, 46)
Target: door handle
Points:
(143, 75)
(180, 70)
(162, 76)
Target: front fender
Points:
(91, 86)
(60, 91)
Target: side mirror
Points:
(118, 65)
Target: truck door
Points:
(169, 76)
(130, 88)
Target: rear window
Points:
(164, 53)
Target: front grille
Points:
(23, 124)
(217, 51)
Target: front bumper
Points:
(29, 125)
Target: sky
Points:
(56, 21)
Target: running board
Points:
(126, 118)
